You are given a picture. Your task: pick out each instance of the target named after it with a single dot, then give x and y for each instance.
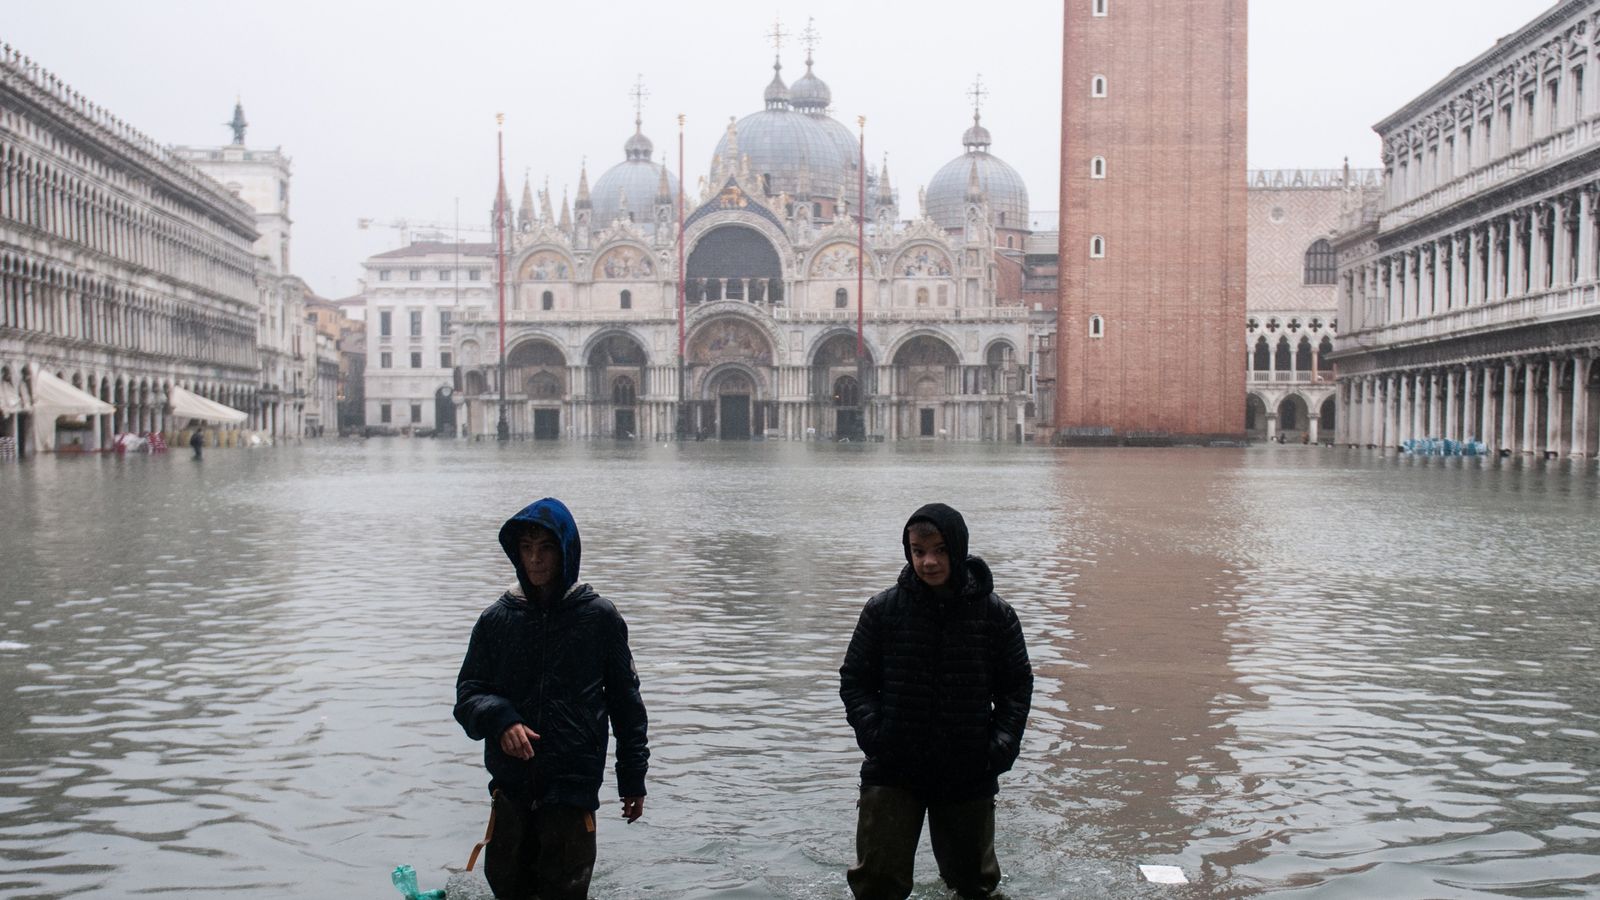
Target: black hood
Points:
(953, 529)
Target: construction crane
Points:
(423, 230)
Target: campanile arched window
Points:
(1099, 7)
(1097, 86)
(1097, 167)
(1321, 265)
(1097, 247)
(1097, 327)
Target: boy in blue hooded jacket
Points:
(547, 670)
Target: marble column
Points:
(1530, 407)
(1515, 279)
(1580, 406)
(1559, 266)
(1404, 413)
(1553, 430)
(1585, 235)
(1492, 289)
(1508, 409)
(1451, 418)
(1469, 418)
(1473, 292)
(1486, 409)
(1457, 296)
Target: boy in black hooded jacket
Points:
(547, 670)
(937, 685)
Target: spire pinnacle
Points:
(582, 202)
(809, 39)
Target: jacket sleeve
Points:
(1013, 693)
(626, 710)
(861, 679)
(480, 708)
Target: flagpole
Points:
(861, 280)
(503, 428)
(683, 410)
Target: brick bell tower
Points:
(1152, 222)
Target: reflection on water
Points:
(1282, 669)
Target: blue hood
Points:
(552, 515)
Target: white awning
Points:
(57, 398)
(11, 401)
(189, 405)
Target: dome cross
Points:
(638, 93)
(977, 93)
(777, 34)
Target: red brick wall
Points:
(1171, 208)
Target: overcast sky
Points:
(387, 108)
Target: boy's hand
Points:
(518, 741)
(632, 808)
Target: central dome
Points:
(792, 145)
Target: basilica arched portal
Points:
(617, 369)
(845, 383)
(927, 372)
(537, 370)
(730, 363)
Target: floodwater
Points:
(1286, 670)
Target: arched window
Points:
(1323, 351)
(1099, 7)
(1097, 247)
(1281, 363)
(922, 296)
(1009, 244)
(1097, 167)
(627, 299)
(1097, 86)
(1302, 356)
(1321, 267)
(1097, 327)
(1263, 356)
(623, 392)
(547, 300)
(841, 299)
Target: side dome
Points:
(1001, 184)
(636, 177)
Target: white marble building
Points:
(413, 298)
(124, 270)
(1469, 292)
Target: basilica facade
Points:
(798, 321)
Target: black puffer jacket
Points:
(937, 686)
(561, 667)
